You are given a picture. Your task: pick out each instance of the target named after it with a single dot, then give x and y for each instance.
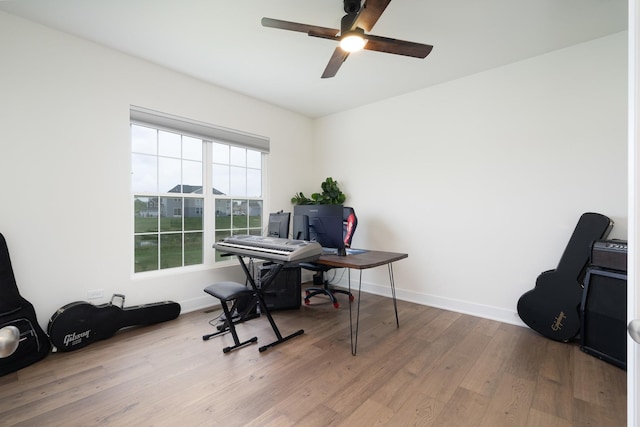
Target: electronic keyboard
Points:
(270, 248)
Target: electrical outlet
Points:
(95, 294)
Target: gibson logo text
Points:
(73, 338)
(557, 325)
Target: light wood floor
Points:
(439, 368)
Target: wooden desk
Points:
(362, 261)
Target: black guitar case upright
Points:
(17, 311)
(552, 308)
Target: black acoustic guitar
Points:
(18, 313)
(552, 308)
(80, 323)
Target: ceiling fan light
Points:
(352, 42)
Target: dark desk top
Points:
(361, 260)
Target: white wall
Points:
(483, 179)
(65, 164)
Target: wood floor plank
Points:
(588, 414)
(528, 355)
(539, 418)
(438, 325)
(392, 389)
(554, 398)
(595, 381)
(510, 404)
(490, 364)
(438, 369)
(557, 361)
(369, 413)
(445, 376)
(320, 416)
(465, 409)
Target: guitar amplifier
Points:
(603, 316)
(609, 254)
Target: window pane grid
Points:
(237, 216)
(169, 200)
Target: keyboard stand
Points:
(265, 282)
(241, 316)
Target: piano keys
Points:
(270, 248)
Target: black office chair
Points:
(349, 224)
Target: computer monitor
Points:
(279, 224)
(320, 223)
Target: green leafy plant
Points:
(331, 195)
(301, 199)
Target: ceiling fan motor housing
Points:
(351, 6)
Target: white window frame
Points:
(209, 134)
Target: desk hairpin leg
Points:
(393, 293)
(263, 305)
(354, 337)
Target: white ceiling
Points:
(223, 42)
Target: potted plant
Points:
(331, 195)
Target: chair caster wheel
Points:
(351, 298)
(336, 305)
(307, 302)
(307, 292)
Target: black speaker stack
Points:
(603, 310)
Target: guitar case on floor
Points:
(552, 308)
(16, 311)
(80, 323)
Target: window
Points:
(181, 170)
(237, 172)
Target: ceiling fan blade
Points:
(302, 28)
(397, 47)
(338, 57)
(369, 14)
(323, 36)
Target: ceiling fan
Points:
(360, 17)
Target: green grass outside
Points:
(146, 246)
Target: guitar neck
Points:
(149, 314)
(574, 260)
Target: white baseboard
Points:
(199, 303)
(465, 307)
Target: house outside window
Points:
(190, 189)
